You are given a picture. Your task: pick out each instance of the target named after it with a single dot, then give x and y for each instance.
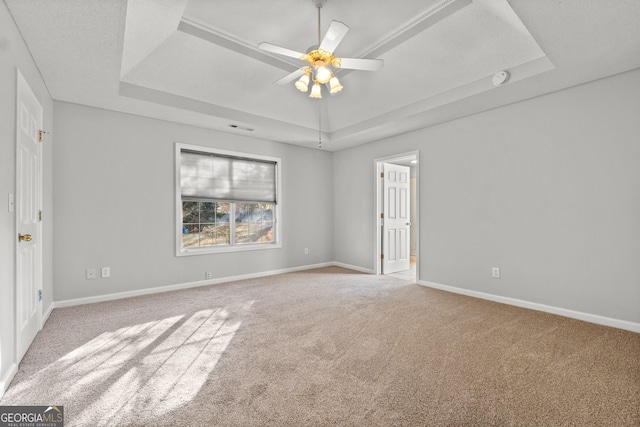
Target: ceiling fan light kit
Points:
(321, 60)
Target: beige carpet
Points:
(327, 347)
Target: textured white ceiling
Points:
(197, 61)
(148, 24)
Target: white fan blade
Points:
(361, 64)
(281, 50)
(289, 78)
(334, 36)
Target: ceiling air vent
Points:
(231, 125)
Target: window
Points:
(226, 201)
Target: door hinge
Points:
(381, 256)
(381, 174)
(40, 133)
(39, 215)
(40, 295)
(382, 215)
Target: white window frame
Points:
(180, 251)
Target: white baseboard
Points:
(148, 291)
(587, 317)
(46, 314)
(353, 267)
(6, 380)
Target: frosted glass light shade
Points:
(323, 75)
(335, 85)
(303, 83)
(315, 91)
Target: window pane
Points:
(254, 222)
(208, 212)
(222, 213)
(190, 235)
(214, 234)
(190, 212)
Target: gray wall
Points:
(13, 55)
(547, 189)
(115, 204)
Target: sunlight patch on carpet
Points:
(154, 367)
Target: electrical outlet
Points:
(495, 272)
(207, 275)
(106, 272)
(306, 251)
(91, 273)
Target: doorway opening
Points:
(397, 216)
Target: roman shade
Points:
(215, 177)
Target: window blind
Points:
(225, 178)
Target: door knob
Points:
(24, 238)
(408, 223)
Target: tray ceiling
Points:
(197, 62)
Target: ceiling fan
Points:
(321, 61)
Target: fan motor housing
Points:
(319, 58)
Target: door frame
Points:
(22, 86)
(378, 206)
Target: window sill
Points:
(227, 249)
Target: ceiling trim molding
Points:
(223, 39)
(253, 121)
(414, 27)
(411, 28)
(484, 84)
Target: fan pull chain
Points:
(319, 126)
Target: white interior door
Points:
(396, 222)
(28, 202)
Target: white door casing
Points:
(396, 222)
(28, 226)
